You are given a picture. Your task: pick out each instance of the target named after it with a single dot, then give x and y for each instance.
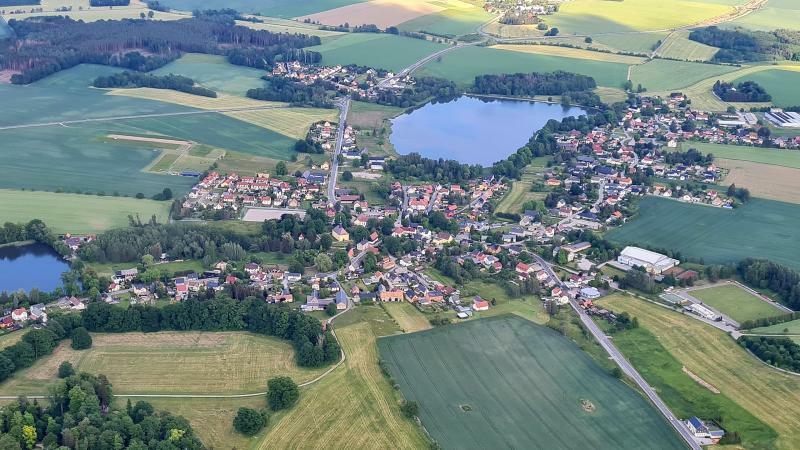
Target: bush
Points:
(65, 370)
(347, 176)
(249, 421)
(410, 409)
(282, 393)
(81, 339)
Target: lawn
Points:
(407, 316)
(215, 72)
(77, 213)
(464, 64)
(277, 8)
(736, 303)
(506, 382)
(761, 229)
(453, 22)
(791, 327)
(374, 316)
(679, 46)
(385, 51)
(785, 158)
(770, 396)
(664, 75)
(353, 407)
(780, 84)
(171, 363)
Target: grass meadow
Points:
(386, 51)
(77, 213)
(407, 316)
(790, 328)
(778, 157)
(276, 8)
(506, 382)
(736, 303)
(664, 75)
(771, 398)
(214, 72)
(678, 46)
(760, 229)
(781, 84)
(455, 21)
(776, 14)
(630, 42)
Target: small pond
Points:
(30, 266)
(473, 130)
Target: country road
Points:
(344, 107)
(410, 69)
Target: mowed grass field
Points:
(780, 84)
(663, 74)
(678, 46)
(385, 51)
(407, 316)
(760, 229)
(771, 396)
(464, 64)
(454, 21)
(215, 72)
(353, 407)
(569, 52)
(778, 157)
(171, 363)
(736, 303)
(506, 382)
(792, 327)
(77, 213)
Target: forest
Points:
(445, 171)
(739, 45)
(46, 45)
(781, 352)
(280, 89)
(764, 274)
(312, 347)
(80, 414)
(137, 79)
(748, 91)
(531, 84)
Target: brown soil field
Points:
(383, 13)
(763, 180)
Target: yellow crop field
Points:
(569, 52)
(292, 122)
(223, 101)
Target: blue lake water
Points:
(473, 130)
(30, 266)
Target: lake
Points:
(472, 130)
(30, 266)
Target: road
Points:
(623, 363)
(344, 107)
(410, 69)
(139, 116)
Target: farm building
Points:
(783, 119)
(651, 261)
(703, 312)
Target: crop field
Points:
(736, 303)
(664, 75)
(361, 410)
(781, 84)
(277, 25)
(215, 72)
(599, 16)
(777, 14)
(505, 382)
(630, 42)
(679, 46)
(778, 157)
(223, 101)
(769, 395)
(172, 362)
(464, 64)
(454, 21)
(291, 122)
(407, 316)
(82, 10)
(763, 180)
(568, 52)
(761, 228)
(276, 8)
(385, 51)
(383, 13)
(76, 213)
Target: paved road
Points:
(344, 106)
(139, 116)
(623, 363)
(410, 69)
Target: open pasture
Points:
(215, 72)
(361, 410)
(506, 382)
(776, 14)
(763, 180)
(276, 8)
(172, 362)
(678, 46)
(464, 64)
(735, 302)
(385, 51)
(665, 75)
(759, 229)
(789, 328)
(454, 21)
(569, 52)
(630, 42)
(782, 85)
(778, 157)
(771, 396)
(77, 213)
(407, 316)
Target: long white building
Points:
(651, 261)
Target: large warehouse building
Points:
(651, 261)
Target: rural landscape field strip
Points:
(478, 381)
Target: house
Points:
(341, 300)
(391, 296)
(19, 315)
(6, 322)
(340, 234)
(651, 261)
(128, 274)
(76, 304)
(480, 304)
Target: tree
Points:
(588, 40)
(249, 421)
(81, 339)
(8, 442)
(616, 372)
(29, 435)
(330, 309)
(347, 176)
(323, 262)
(282, 393)
(66, 370)
(410, 409)
(281, 169)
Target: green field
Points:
(215, 72)
(684, 396)
(450, 22)
(785, 158)
(277, 8)
(780, 84)
(628, 42)
(791, 327)
(776, 14)
(679, 46)
(75, 213)
(464, 64)
(736, 303)
(760, 229)
(505, 382)
(385, 51)
(664, 75)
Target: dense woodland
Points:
(36, 344)
(80, 414)
(312, 347)
(783, 353)
(445, 171)
(280, 89)
(531, 84)
(137, 79)
(782, 280)
(748, 91)
(47, 45)
(740, 45)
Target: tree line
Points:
(740, 45)
(780, 279)
(423, 89)
(36, 231)
(531, 84)
(36, 344)
(781, 352)
(440, 170)
(137, 79)
(281, 89)
(748, 91)
(312, 347)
